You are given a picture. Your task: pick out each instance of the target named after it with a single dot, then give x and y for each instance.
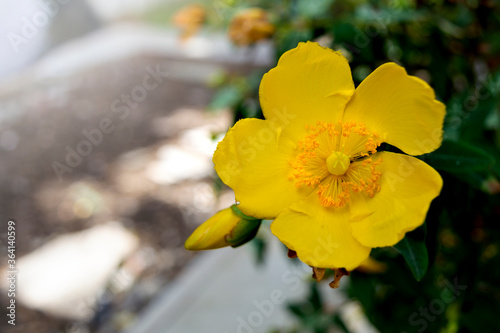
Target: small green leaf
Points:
(260, 248)
(413, 249)
(312, 9)
(315, 297)
(459, 157)
(239, 213)
(472, 128)
(297, 310)
(290, 38)
(226, 97)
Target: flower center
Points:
(338, 163)
(336, 160)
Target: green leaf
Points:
(226, 97)
(314, 8)
(291, 38)
(315, 297)
(260, 248)
(310, 307)
(239, 213)
(459, 157)
(413, 249)
(297, 310)
(484, 181)
(477, 111)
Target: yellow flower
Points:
(189, 19)
(250, 26)
(314, 164)
(229, 227)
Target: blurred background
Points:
(109, 115)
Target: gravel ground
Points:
(107, 185)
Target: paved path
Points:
(225, 291)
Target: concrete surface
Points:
(63, 277)
(225, 291)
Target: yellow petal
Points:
(320, 236)
(310, 83)
(211, 234)
(254, 160)
(407, 187)
(402, 109)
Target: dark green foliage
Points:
(413, 249)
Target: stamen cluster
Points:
(325, 141)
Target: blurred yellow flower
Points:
(372, 266)
(250, 26)
(314, 164)
(189, 19)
